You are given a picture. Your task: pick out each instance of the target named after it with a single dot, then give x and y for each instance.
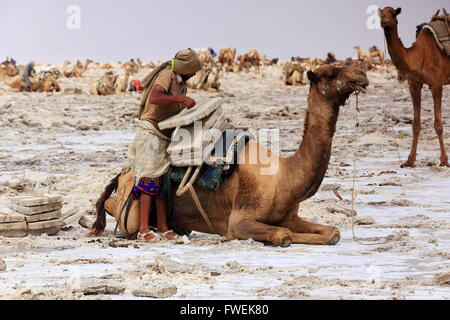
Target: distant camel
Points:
(370, 53)
(423, 62)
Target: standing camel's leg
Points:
(243, 228)
(415, 88)
(438, 125)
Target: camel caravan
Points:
(224, 191)
(247, 204)
(44, 81)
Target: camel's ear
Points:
(398, 11)
(312, 77)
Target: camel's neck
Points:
(305, 170)
(398, 53)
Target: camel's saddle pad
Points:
(439, 26)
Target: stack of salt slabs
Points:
(32, 215)
(197, 131)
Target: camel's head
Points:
(338, 83)
(388, 17)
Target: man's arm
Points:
(159, 97)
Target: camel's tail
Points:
(100, 223)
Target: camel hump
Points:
(440, 29)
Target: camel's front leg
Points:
(243, 227)
(306, 232)
(415, 89)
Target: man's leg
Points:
(145, 205)
(162, 213)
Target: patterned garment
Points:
(148, 186)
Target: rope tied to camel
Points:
(355, 152)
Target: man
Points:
(28, 72)
(13, 62)
(164, 96)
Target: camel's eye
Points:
(332, 74)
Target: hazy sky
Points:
(112, 30)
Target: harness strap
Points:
(127, 212)
(120, 214)
(200, 208)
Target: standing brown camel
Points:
(262, 204)
(423, 63)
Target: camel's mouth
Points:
(360, 86)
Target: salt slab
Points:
(30, 201)
(14, 217)
(188, 116)
(55, 223)
(44, 216)
(36, 209)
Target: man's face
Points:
(186, 77)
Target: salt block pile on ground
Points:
(35, 215)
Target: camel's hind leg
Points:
(243, 228)
(438, 124)
(306, 232)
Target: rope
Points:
(354, 181)
(391, 124)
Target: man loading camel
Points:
(28, 72)
(164, 96)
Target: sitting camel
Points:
(205, 57)
(48, 82)
(251, 59)
(105, 86)
(81, 68)
(226, 58)
(43, 82)
(261, 198)
(370, 53)
(293, 74)
(205, 79)
(122, 82)
(9, 69)
(131, 67)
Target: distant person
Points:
(212, 52)
(28, 72)
(331, 58)
(13, 62)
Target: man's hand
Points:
(189, 103)
(159, 97)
